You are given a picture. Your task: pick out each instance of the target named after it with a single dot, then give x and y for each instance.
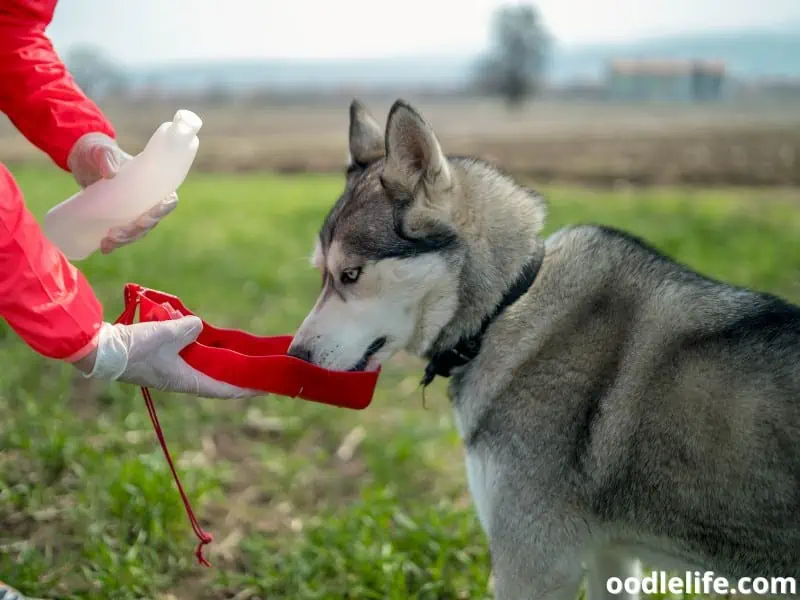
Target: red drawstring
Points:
(126, 318)
(203, 536)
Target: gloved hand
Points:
(96, 156)
(146, 354)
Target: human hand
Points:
(147, 354)
(96, 156)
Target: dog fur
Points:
(624, 409)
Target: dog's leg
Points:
(605, 564)
(517, 584)
(536, 558)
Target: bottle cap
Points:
(187, 122)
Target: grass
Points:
(305, 501)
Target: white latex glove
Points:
(96, 156)
(146, 354)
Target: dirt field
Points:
(591, 144)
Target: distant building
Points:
(678, 81)
(770, 89)
(587, 91)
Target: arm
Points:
(42, 100)
(43, 297)
(51, 306)
(37, 93)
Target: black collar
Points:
(467, 348)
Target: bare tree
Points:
(93, 70)
(515, 65)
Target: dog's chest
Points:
(481, 470)
(480, 478)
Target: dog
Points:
(616, 407)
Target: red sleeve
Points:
(37, 93)
(43, 297)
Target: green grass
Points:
(88, 508)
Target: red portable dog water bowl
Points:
(253, 362)
(247, 361)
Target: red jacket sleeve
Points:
(37, 93)
(43, 297)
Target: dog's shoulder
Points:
(607, 240)
(604, 238)
(604, 255)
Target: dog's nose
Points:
(300, 351)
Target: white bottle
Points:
(79, 223)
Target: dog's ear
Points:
(366, 137)
(413, 153)
(417, 170)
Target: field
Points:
(601, 145)
(304, 501)
(307, 501)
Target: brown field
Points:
(572, 142)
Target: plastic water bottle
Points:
(78, 224)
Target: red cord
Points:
(203, 536)
(126, 318)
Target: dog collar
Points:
(442, 363)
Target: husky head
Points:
(417, 249)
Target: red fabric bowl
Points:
(253, 362)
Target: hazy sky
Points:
(153, 31)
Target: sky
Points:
(151, 32)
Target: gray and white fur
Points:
(625, 408)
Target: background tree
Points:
(515, 65)
(93, 71)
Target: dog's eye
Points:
(350, 275)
